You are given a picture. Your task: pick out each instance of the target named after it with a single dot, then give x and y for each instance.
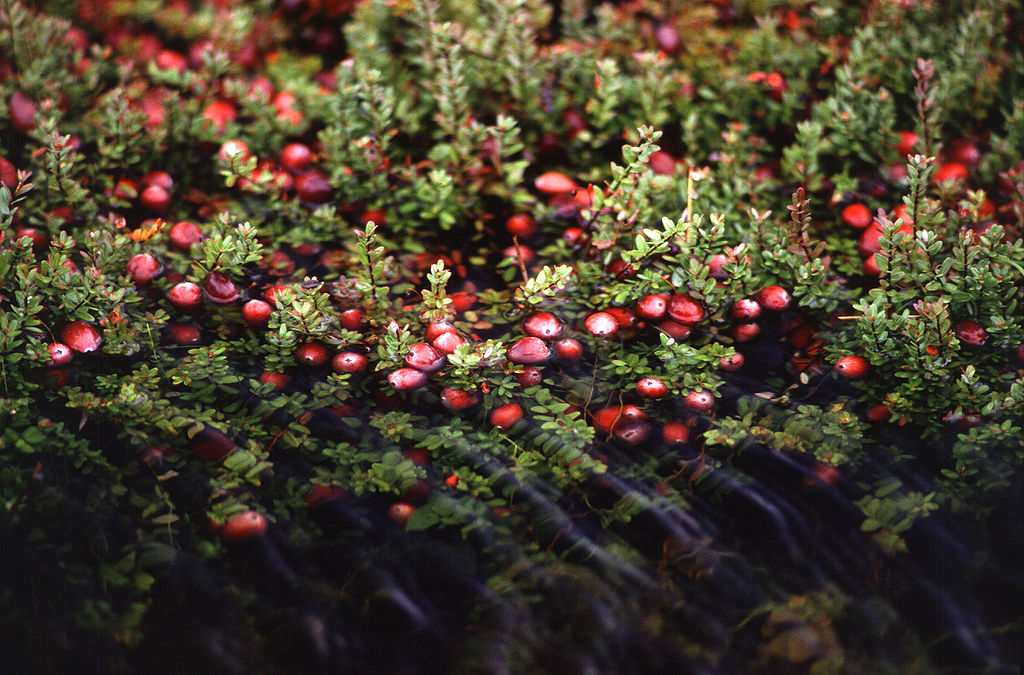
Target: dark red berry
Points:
(949, 172)
(22, 112)
(244, 526)
(633, 433)
(353, 319)
(142, 268)
(212, 445)
(156, 199)
(447, 343)
(458, 399)
(220, 289)
(311, 354)
(529, 377)
(296, 157)
(852, 367)
(504, 416)
(652, 307)
(349, 362)
(607, 420)
(700, 401)
(81, 337)
(879, 413)
(184, 234)
(746, 332)
(543, 325)
(529, 351)
(521, 225)
(675, 433)
(651, 388)
(684, 309)
(774, 298)
(60, 353)
(400, 513)
(407, 379)
(313, 187)
(674, 329)
(186, 296)
(744, 310)
(256, 312)
(970, 333)
(185, 333)
(279, 380)
(568, 349)
(732, 362)
(423, 357)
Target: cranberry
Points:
(156, 199)
(879, 413)
(856, 216)
(521, 225)
(458, 399)
(826, 473)
(684, 309)
(407, 379)
(279, 380)
(568, 349)
(852, 367)
(633, 433)
(185, 333)
(607, 420)
(674, 329)
(233, 151)
(700, 401)
(870, 266)
(970, 333)
(504, 416)
(675, 433)
(908, 139)
(623, 317)
(160, 178)
(313, 187)
(60, 353)
(296, 157)
(571, 235)
(142, 268)
(349, 362)
(212, 445)
(400, 513)
(184, 234)
(529, 351)
(951, 172)
(775, 298)
(220, 289)
(321, 494)
(543, 325)
(744, 310)
(868, 242)
(437, 329)
(8, 173)
(256, 312)
(81, 337)
(168, 59)
(553, 183)
(37, 237)
(447, 343)
(529, 377)
(423, 357)
(716, 266)
(352, 319)
(244, 526)
(601, 324)
(275, 294)
(652, 307)
(746, 332)
(651, 388)
(311, 354)
(186, 296)
(22, 111)
(731, 363)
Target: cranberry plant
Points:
(535, 291)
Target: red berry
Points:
(81, 337)
(970, 333)
(438, 329)
(868, 242)
(186, 296)
(700, 401)
(275, 294)
(746, 332)
(8, 173)
(423, 357)
(233, 151)
(571, 235)
(321, 494)
(908, 139)
(623, 317)
(22, 112)
(220, 289)
(651, 388)
(856, 216)
(674, 329)
(529, 351)
(879, 413)
(161, 178)
(243, 526)
(521, 225)
(553, 183)
(662, 163)
(407, 379)
(447, 343)
(732, 362)
(60, 353)
(185, 333)
(37, 237)
(607, 420)
(212, 445)
(543, 325)
(142, 268)
(601, 324)
(156, 199)
(504, 416)
(633, 433)
(349, 362)
(827, 473)
(870, 266)
(184, 234)
(458, 399)
(529, 377)
(852, 367)
(280, 380)
(652, 307)
(951, 171)
(744, 310)
(352, 319)
(256, 312)
(568, 349)
(296, 157)
(675, 433)
(400, 513)
(311, 354)
(774, 298)
(684, 309)
(313, 187)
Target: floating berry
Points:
(349, 362)
(852, 367)
(504, 416)
(651, 388)
(529, 351)
(684, 309)
(543, 325)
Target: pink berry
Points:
(447, 343)
(568, 349)
(684, 309)
(458, 399)
(184, 234)
(744, 310)
(296, 157)
(349, 362)
(601, 324)
(731, 363)
(651, 388)
(142, 268)
(60, 353)
(700, 401)
(156, 199)
(407, 379)
(553, 182)
(775, 298)
(423, 357)
(543, 325)
(186, 296)
(529, 351)
(746, 332)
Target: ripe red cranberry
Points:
(744, 310)
(157, 177)
(8, 173)
(601, 324)
(156, 199)
(731, 363)
(320, 494)
(504, 416)
(652, 307)
(879, 413)
(624, 317)
(607, 420)
(458, 399)
(675, 433)
(826, 473)
(22, 111)
(313, 187)
(280, 380)
(519, 253)
(256, 312)
(353, 319)
(349, 362)
(553, 183)
(633, 433)
(82, 337)
(37, 237)
(543, 325)
(233, 151)
(775, 298)
(571, 235)
(700, 401)
(296, 157)
(529, 377)
(908, 139)
(220, 289)
(951, 171)
(407, 379)
(60, 353)
(868, 242)
(970, 333)
(856, 216)
(437, 329)
(212, 445)
(852, 367)
(184, 234)
(716, 266)
(746, 332)
(529, 351)
(870, 266)
(244, 526)
(275, 294)
(311, 354)
(186, 296)
(142, 268)
(400, 513)
(651, 388)
(447, 343)
(521, 225)
(185, 333)
(168, 59)
(423, 357)
(674, 329)
(684, 309)
(568, 349)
